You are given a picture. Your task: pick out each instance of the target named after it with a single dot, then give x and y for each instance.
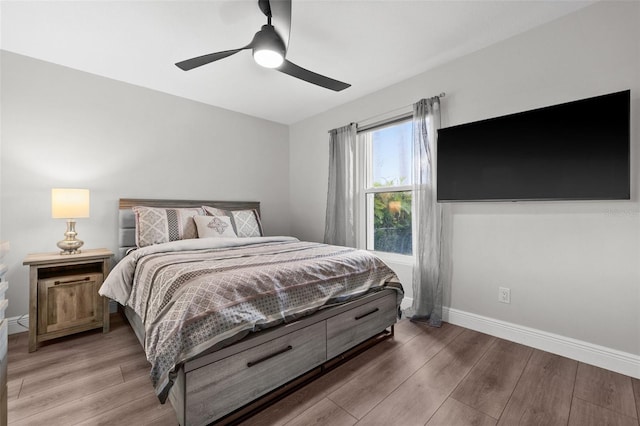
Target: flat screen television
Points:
(572, 151)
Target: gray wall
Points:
(573, 267)
(66, 128)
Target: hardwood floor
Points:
(422, 376)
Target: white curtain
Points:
(342, 200)
(432, 265)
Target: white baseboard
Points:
(406, 303)
(15, 327)
(589, 353)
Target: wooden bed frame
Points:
(227, 384)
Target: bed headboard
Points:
(127, 222)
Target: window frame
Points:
(364, 154)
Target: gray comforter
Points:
(195, 295)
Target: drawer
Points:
(69, 301)
(4, 335)
(346, 330)
(3, 307)
(4, 286)
(245, 376)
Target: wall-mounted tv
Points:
(572, 151)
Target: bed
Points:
(225, 321)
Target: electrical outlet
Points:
(504, 295)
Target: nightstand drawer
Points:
(69, 301)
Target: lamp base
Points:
(70, 245)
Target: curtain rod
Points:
(441, 95)
(389, 113)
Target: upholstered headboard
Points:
(127, 222)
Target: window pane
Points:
(389, 224)
(391, 155)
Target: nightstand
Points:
(63, 294)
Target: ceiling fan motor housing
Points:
(268, 39)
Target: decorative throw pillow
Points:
(246, 223)
(214, 226)
(213, 211)
(155, 225)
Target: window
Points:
(387, 187)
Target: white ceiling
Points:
(370, 44)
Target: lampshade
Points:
(67, 203)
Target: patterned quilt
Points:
(195, 295)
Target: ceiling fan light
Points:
(268, 58)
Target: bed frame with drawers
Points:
(232, 382)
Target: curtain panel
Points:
(432, 260)
(342, 199)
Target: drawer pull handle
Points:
(281, 351)
(359, 317)
(71, 281)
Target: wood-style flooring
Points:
(422, 376)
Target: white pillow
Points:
(214, 227)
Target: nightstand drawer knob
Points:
(72, 281)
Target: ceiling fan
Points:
(269, 47)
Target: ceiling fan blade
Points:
(265, 7)
(281, 15)
(313, 78)
(192, 63)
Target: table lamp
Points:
(70, 204)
